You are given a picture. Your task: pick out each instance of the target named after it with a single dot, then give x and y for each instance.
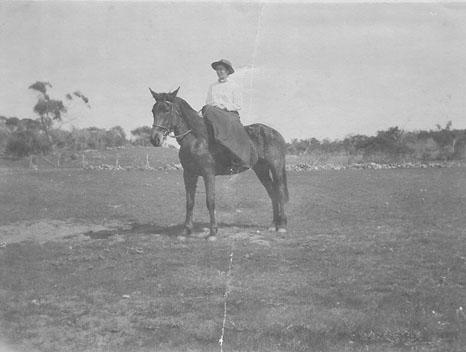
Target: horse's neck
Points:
(181, 126)
(190, 120)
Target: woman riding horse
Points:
(224, 93)
(223, 103)
(257, 146)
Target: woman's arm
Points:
(237, 98)
(209, 96)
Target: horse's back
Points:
(266, 139)
(268, 143)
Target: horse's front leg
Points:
(209, 181)
(190, 183)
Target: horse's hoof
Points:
(201, 235)
(272, 228)
(212, 238)
(186, 231)
(282, 230)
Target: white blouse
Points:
(225, 95)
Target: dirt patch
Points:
(256, 237)
(46, 230)
(54, 230)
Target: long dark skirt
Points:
(228, 131)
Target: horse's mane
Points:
(195, 122)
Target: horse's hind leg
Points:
(270, 168)
(281, 187)
(262, 171)
(190, 183)
(279, 191)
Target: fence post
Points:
(82, 164)
(147, 161)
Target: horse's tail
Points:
(285, 185)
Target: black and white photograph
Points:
(232, 176)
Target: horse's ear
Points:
(154, 94)
(174, 93)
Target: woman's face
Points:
(222, 72)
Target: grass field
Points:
(374, 260)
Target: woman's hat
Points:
(225, 63)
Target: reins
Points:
(180, 135)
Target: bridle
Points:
(166, 130)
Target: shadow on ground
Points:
(170, 231)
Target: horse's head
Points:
(165, 114)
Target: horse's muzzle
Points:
(157, 138)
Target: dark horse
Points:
(201, 156)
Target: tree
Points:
(142, 135)
(24, 137)
(447, 126)
(444, 136)
(4, 132)
(12, 124)
(50, 109)
(354, 144)
(115, 137)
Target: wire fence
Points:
(134, 158)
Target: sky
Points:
(307, 69)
